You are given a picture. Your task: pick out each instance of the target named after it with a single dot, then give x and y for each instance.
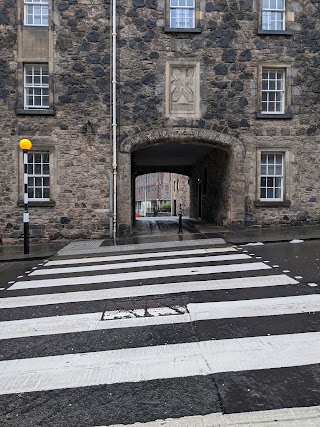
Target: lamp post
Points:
(25, 145)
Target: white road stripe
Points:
(139, 264)
(139, 275)
(197, 312)
(146, 255)
(287, 417)
(155, 362)
(147, 290)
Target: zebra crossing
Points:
(202, 326)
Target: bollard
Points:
(180, 224)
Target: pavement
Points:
(162, 233)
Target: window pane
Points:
(37, 169)
(30, 169)
(38, 182)
(30, 181)
(278, 182)
(278, 170)
(263, 193)
(270, 193)
(263, 169)
(263, 158)
(45, 169)
(46, 193)
(263, 182)
(279, 158)
(38, 193)
(277, 192)
(46, 181)
(45, 157)
(270, 170)
(30, 193)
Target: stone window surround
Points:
(39, 146)
(287, 158)
(288, 84)
(196, 113)
(197, 28)
(289, 17)
(21, 110)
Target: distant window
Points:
(271, 176)
(36, 12)
(273, 15)
(273, 91)
(38, 176)
(36, 86)
(182, 13)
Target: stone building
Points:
(152, 191)
(180, 195)
(225, 92)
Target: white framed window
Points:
(38, 176)
(273, 91)
(273, 15)
(36, 12)
(182, 13)
(36, 86)
(271, 176)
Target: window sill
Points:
(272, 204)
(40, 204)
(182, 30)
(285, 116)
(275, 32)
(48, 112)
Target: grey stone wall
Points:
(229, 52)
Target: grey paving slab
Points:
(94, 246)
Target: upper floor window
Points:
(273, 91)
(36, 87)
(182, 13)
(38, 176)
(36, 12)
(273, 15)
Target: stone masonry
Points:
(220, 67)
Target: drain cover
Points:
(143, 308)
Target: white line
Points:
(156, 362)
(139, 264)
(145, 290)
(287, 417)
(202, 311)
(139, 275)
(146, 255)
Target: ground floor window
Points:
(39, 176)
(271, 176)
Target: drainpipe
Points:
(114, 117)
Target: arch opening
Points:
(203, 189)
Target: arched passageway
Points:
(213, 164)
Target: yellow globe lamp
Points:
(25, 144)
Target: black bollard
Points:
(180, 224)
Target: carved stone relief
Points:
(182, 89)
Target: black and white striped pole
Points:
(25, 145)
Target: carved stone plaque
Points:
(182, 89)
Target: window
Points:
(182, 13)
(36, 12)
(273, 15)
(273, 91)
(38, 176)
(36, 87)
(271, 176)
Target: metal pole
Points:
(25, 201)
(114, 115)
(180, 224)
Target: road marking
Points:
(197, 312)
(139, 275)
(138, 264)
(147, 290)
(139, 256)
(157, 362)
(287, 417)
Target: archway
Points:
(213, 162)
